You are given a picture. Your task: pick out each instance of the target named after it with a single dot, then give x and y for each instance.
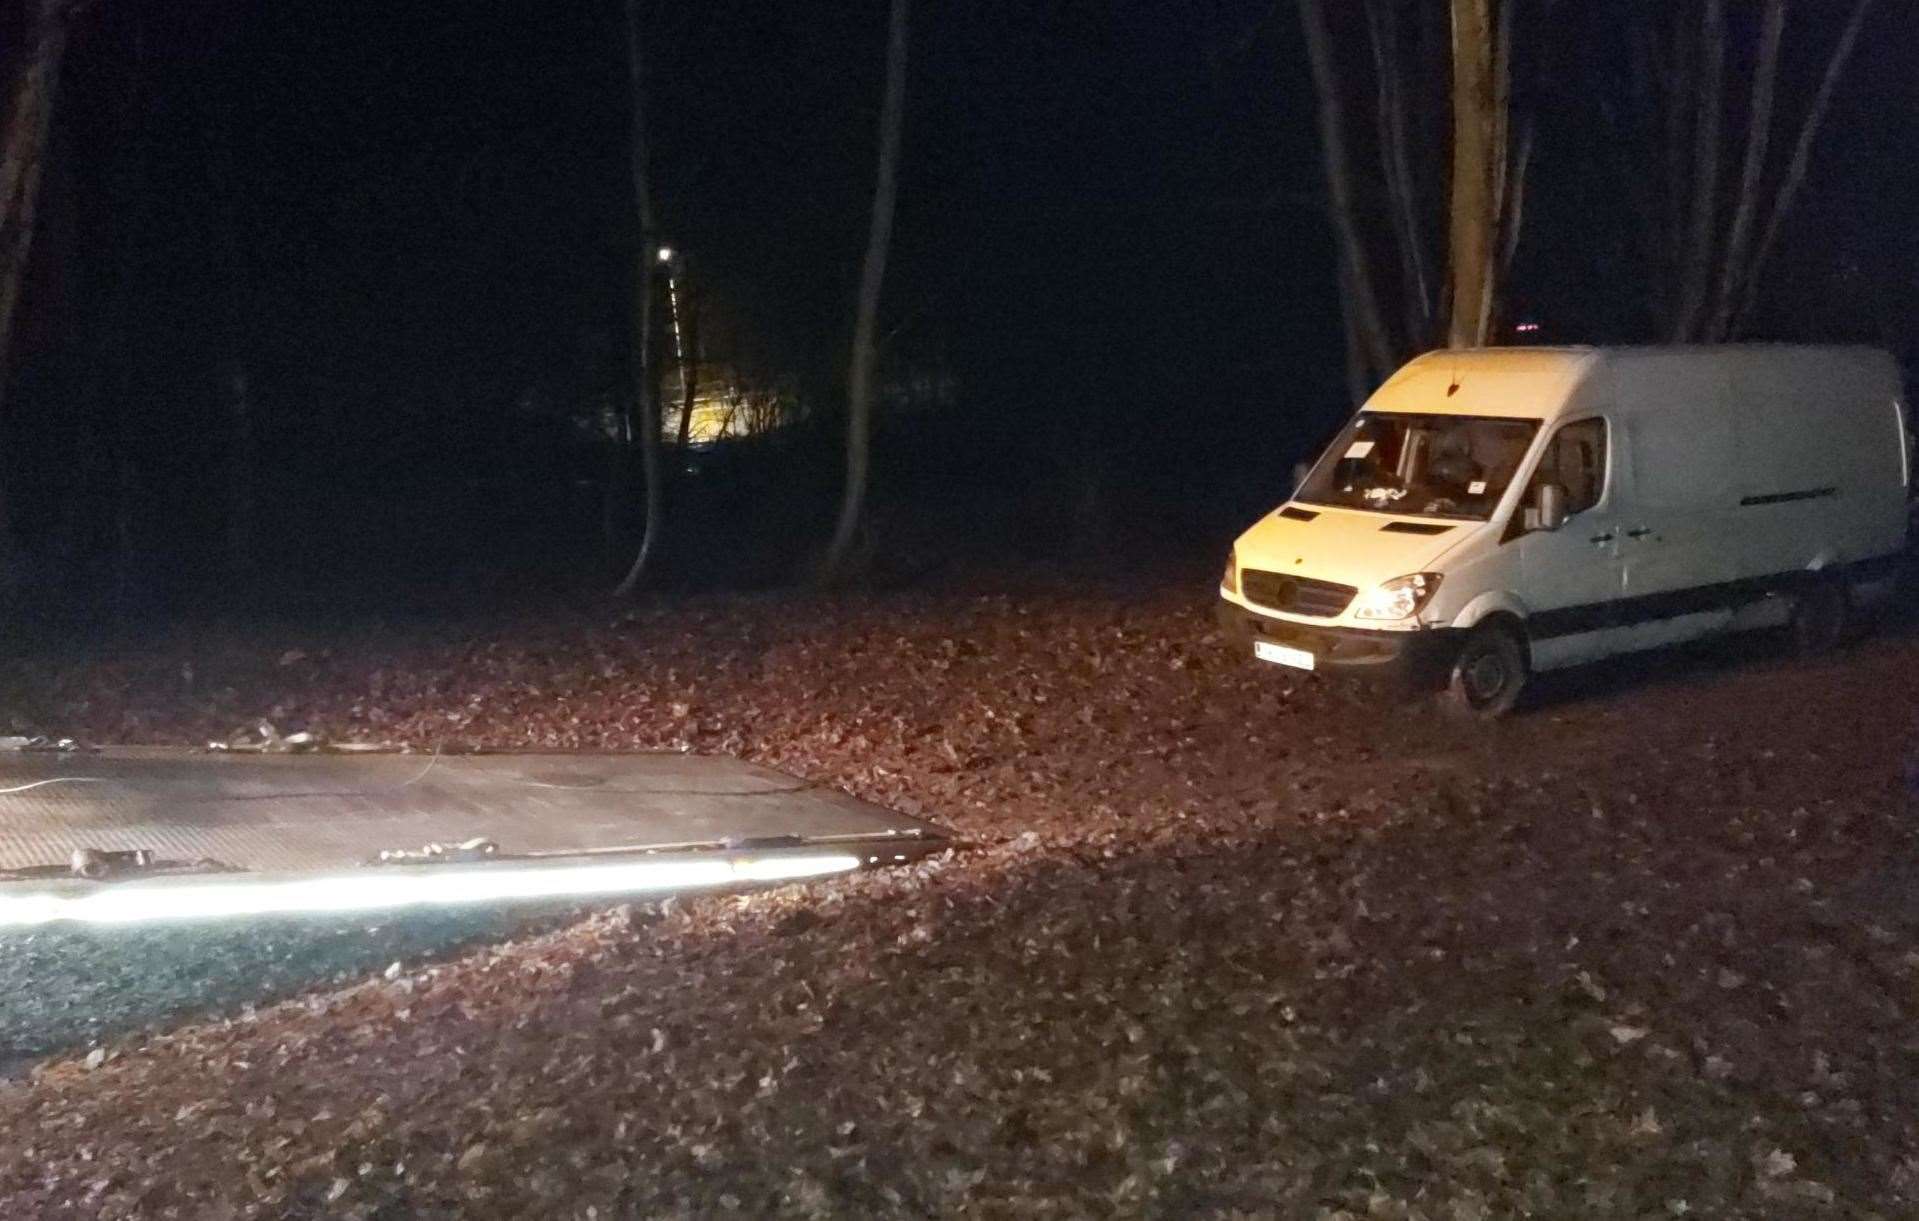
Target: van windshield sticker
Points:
(1476, 488)
(1359, 449)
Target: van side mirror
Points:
(1549, 508)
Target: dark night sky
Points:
(403, 217)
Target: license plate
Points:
(1285, 655)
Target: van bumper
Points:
(1418, 658)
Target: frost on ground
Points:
(1227, 942)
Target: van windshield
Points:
(1431, 465)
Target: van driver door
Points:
(1572, 576)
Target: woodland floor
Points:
(1225, 941)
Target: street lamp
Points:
(675, 266)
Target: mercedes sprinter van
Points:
(1491, 513)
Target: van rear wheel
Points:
(1487, 676)
(1821, 616)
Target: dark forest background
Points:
(395, 243)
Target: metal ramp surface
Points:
(284, 832)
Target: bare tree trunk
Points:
(1396, 167)
(1477, 154)
(645, 401)
(1368, 324)
(1758, 134)
(689, 375)
(1696, 272)
(859, 398)
(1509, 174)
(1796, 168)
(1512, 211)
(29, 120)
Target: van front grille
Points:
(1295, 595)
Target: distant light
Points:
(381, 887)
(666, 254)
(1526, 328)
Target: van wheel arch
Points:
(1512, 623)
(1490, 671)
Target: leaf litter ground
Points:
(1227, 941)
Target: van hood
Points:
(1350, 546)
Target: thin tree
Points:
(1373, 350)
(1758, 133)
(1712, 258)
(686, 349)
(1480, 220)
(645, 414)
(1421, 305)
(1696, 268)
(23, 145)
(859, 397)
(1746, 283)
(1479, 156)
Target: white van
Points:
(1495, 512)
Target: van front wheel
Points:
(1487, 676)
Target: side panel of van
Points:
(1819, 444)
(1680, 466)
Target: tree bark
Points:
(29, 120)
(1368, 324)
(689, 376)
(1696, 271)
(645, 415)
(1796, 168)
(859, 398)
(1476, 172)
(1396, 167)
(1758, 134)
(1512, 211)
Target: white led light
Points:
(223, 895)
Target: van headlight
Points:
(1230, 581)
(1399, 598)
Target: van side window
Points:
(1575, 459)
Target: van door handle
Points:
(1607, 537)
(1639, 532)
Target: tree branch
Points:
(1801, 158)
(1396, 168)
(1697, 268)
(645, 406)
(1368, 324)
(1758, 133)
(859, 397)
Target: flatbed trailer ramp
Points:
(148, 833)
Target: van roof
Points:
(1536, 382)
(1524, 382)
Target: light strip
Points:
(377, 887)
